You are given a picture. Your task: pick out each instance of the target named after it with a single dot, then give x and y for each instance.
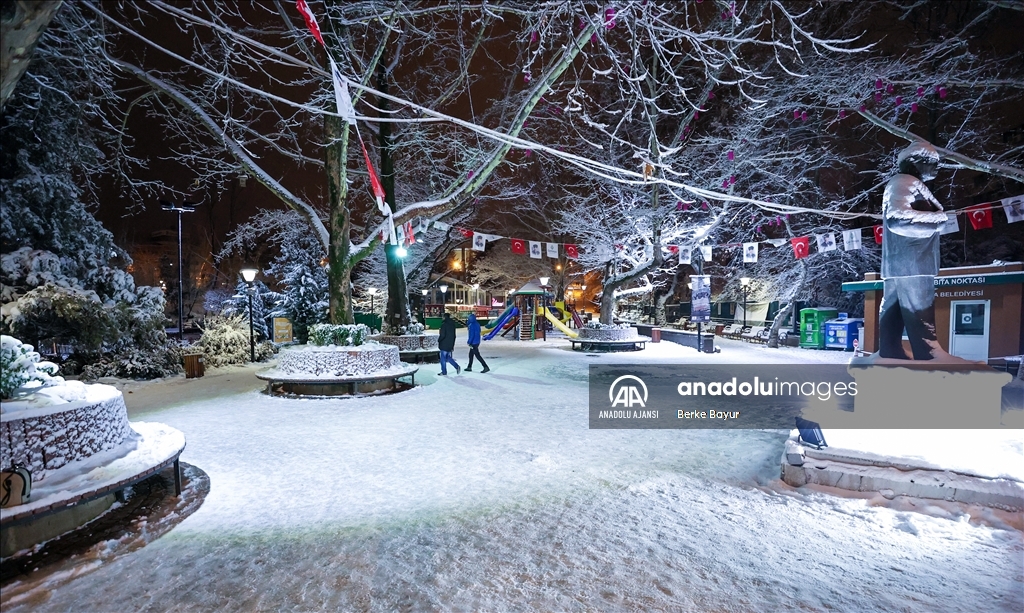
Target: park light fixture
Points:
(401, 251)
(373, 292)
(544, 281)
(185, 207)
(249, 275)
(424, 291)
(443, 288)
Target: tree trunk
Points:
(397, 315)
(21, 25)
(773, 334)
(339, 258)
(660, 315)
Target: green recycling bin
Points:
(812, 326)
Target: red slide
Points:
(575, 316)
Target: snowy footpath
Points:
(489, 492)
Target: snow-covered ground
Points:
(489, 492)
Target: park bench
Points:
(632, 344)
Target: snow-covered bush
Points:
(225, 340)
(415, 328)
(19, 365)
(133, 363)
(53, 311)
(263, 300)
(345, 335)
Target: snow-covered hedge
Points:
(344, 335)
(134, 363)
(20, 365)
(225, 340)
(413, 329)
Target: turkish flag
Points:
(410, 234)
(572, 252)
(980, 216)
(378, 189)
(519, 246)
(673, 248)
(310, 20)
(878, 234)
(801, 246)
(466, 233)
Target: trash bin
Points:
(194, 366)
(842, 332)
(812, 326)
(655, 335)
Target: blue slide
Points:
(507, 315)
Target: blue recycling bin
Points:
(842, 332)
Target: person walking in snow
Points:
(474, 344)
(446, 345)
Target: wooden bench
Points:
(732, 331)
(753, 334)
(632, 344)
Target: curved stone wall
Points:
(609, 334)
(45, 440)
(409, 342)
(327, 362)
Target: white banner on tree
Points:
(552, 249)
(1014, 209)
(442, 226)
(952, 224)
(749, 252)
(851, 240)
(826, 241)
(684, 255)
(535, 250)
(705, 252)
(479, 242)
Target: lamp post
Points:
(745, 282)
(423, 306)
(444, 293)
(476, 294)
(185, 207)
(249, 274)
(373, 292)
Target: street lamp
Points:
(544, 281)
(476, 293)
(185, 207)
(373, 292)
(249, 274)
(745, 282)
(444, 293)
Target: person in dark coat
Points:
(474, 344)
(446, 345)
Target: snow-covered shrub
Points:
(344, 335)
(414, 329)
(19, 365)
(133, 363)
(263, 300)
(225, 340)
(53, 311)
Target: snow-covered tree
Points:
(264, 301)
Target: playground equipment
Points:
(558, 324)
(576, 320)
(505, 321)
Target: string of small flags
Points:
(536, 249)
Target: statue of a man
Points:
(912, 218)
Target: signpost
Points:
(282, 330)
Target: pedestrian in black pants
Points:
(474, 344)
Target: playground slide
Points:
(499, 320)
(559, 325)
(508, 314)
(575, 317)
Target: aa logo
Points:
(629, 396)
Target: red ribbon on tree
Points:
(801, 246)
(980, 216)
(310, 20)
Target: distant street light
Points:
(476, 294)
(544, 281)
(745, 282)
(249, 275)
(185, 207)
(444, 293)
(373, 292)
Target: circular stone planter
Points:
(608, 334)
(309, 370)
(413, 347)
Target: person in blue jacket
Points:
(474, 344)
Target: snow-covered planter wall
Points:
(60, 425)
(406, 342)
(608, 333)
(311, 362)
